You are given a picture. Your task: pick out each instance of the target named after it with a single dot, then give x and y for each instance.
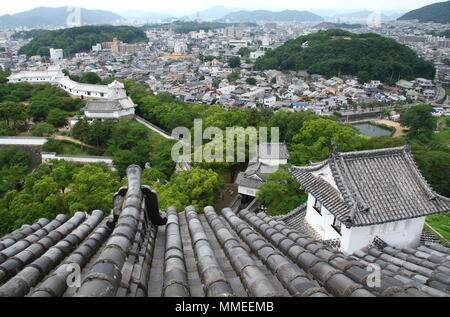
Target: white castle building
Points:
(104, 101)
(358, 197)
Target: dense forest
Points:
(338, 52)
(81, 39)
(437, 12)
(26, 35)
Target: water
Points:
(372, 130)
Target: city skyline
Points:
(185, 8)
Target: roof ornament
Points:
(408, 143)
(334, 148)
(126, 196)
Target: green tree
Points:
(14, 165)
(57, 117)
(419, 120)
(289, 123)
(281, 193)
(38, 110)
(91, 189)
(151, 176)
(197, 187)
(53, 145)
(234, 62)
(42, 129)
(244, 52)
(315, 140)
(13, 113)
(251, 81)
(233, 77)
(435, 167)
(90, 78)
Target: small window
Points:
(337, 225)
(318, 206)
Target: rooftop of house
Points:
(101, 106)
(137, 251)
(372, 187)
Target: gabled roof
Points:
(373, 187)
(255, 175)
(102, 106)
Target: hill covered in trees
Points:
(337, 52)
(81, 39)
(44, 16)
(263, 15)
(26, 35)
(437, 12)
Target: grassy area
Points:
(442, 136)
(447, 90)
(440, 223)
(72, 148)
(69, 148)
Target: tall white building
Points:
(180, 48)
(56, 54)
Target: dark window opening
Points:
(337, 225)
(318, 206)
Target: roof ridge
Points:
(376, 151)
(352, 189)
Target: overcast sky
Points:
(189, 6)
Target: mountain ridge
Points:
(437, 12)
(265, 15)
(55, 17)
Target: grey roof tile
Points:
(127, 255)
(401, 191)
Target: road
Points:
(440, 93)
(61, 137)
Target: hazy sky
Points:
(188, 6)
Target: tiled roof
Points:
(102, 106)
(138, 251)
(109, 105)
(374, 187)
(244, 180)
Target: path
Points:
(153, 127)
(399, 130)
(181, 166)
(67, 138)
